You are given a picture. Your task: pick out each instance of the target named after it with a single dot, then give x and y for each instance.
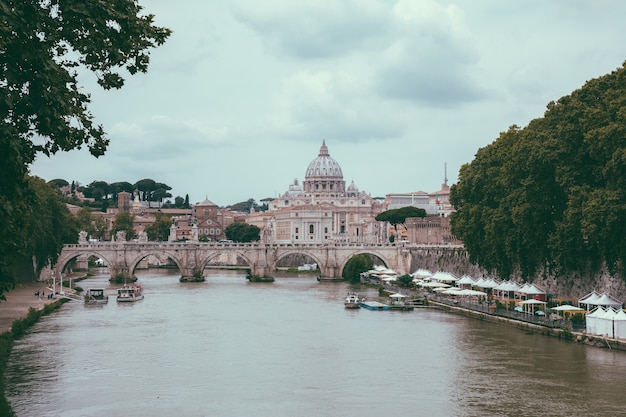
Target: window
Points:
(311, 228)
(326, 230)
(297, 229)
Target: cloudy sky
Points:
(236, 104)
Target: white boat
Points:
(96, 296)
(352, 300)
(130, 293)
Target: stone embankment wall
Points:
(456, 261)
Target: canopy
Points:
(533, 301)
(422, 273)
(434, 284)
(444, 277)
(397, 295)
(566, 307)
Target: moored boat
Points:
(129, 293)
(96, 296)
(352, 300)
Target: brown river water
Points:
(228, 347)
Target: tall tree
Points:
(160, 229)
(124, 223)
(242, 232)
(357, 264)
(85, 220)
(551, 196)
(43, 109)
(48, 224)
(397, 217)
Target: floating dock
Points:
(374, 305)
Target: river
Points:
(227, 347)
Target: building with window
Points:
(322, 209)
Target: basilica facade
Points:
(322, 210)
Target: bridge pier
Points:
(121, 273)
(261, 271)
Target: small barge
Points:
(374, 305)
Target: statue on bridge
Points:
(143, 237)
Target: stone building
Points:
(322, 210)
(210, 220)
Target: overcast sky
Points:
(237, 102)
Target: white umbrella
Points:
(397, 295)
(434, 284)
(566, 307)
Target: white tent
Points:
(532, 303)
(422, 273)
(444, 277)
(619, 324)
(477, 293)
(397, 295)
(434, 284)
(608, 301)
(565, 309)
(591, 320)
(466, 281)
(589, 300)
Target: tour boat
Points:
(96, 296)
(352, 300)
(129, 293)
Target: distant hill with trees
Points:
(551, 196)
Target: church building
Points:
(322, 210)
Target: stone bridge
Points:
(192, 257)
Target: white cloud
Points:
(236, 103)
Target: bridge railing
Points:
(187, 244)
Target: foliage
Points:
(48, 224)
(405, 281)
(357, 264)
(247, 206)
(100, 228)
(397, 217)
(43, 109)
(242, 232)
(160, 229)
(124, 223)
(85, 220)
(551, 195)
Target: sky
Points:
(236, 104)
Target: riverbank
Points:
(20, 300)
(24, 306)
(563, 334)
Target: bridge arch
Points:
(144, 254)
(301, 251)
(385, 261)
(207, 257)
(65, 259)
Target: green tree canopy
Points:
(159, 230)
(124, 223)
(357, 264)
(58, 183)
(553, 194)
(48, 224)
(85, 221)
(242, 232)
(397, 217)
(43, 108)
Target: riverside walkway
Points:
(21, 299)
